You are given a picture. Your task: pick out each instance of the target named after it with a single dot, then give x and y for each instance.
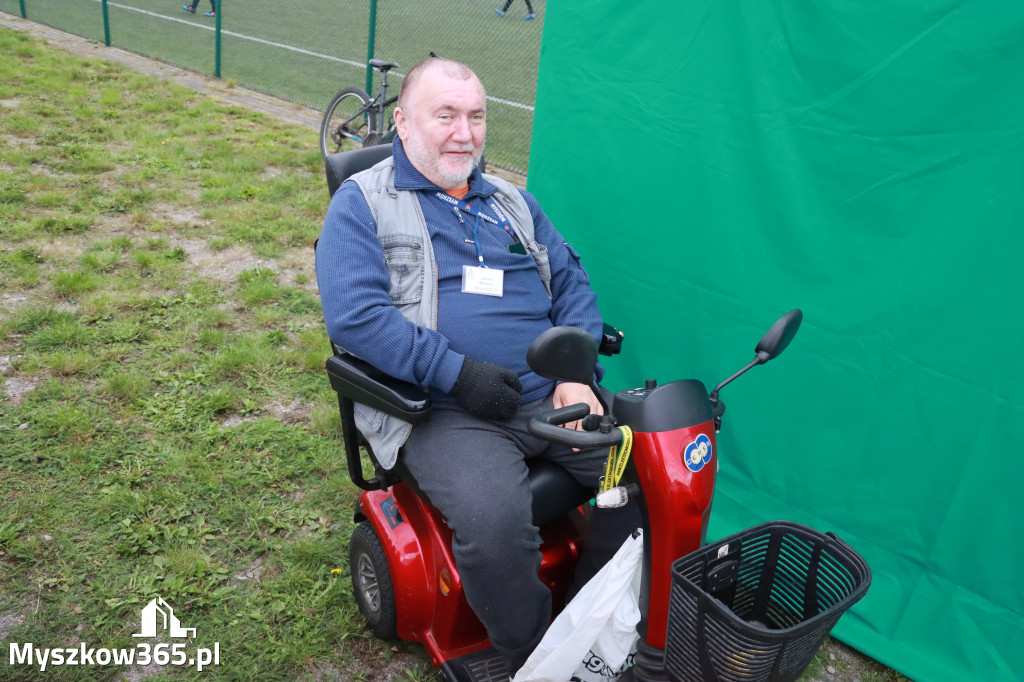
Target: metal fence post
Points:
(23, 15)
(106, 24)
(370, 39)
(216, 49)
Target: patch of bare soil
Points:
(253, 572)
(16, 388)
(222, 266)
(19, 142)
(177, 215)
(843, 664)
(7, 363)
(295, 412)
(9, 303)
(377, 662)
(9, 621)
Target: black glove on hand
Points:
(488, 391)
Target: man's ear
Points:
(401, 122)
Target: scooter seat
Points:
(554, 490)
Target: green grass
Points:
(156, 266)
(503, 51)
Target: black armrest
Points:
(363, 383)
(611, 341)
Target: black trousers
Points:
(474, 472)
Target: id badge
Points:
(486, 281)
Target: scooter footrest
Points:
(485, 665)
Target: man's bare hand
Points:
(570, 394)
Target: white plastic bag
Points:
(594, 638)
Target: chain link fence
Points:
(305, 51)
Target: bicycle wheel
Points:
(346, 118)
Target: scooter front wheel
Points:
(371, 582)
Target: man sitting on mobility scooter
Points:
(440, 276)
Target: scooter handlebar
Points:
(548, 425)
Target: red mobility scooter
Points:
(405, 579)
(403, 574)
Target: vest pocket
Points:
(403, 256)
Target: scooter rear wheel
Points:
(371, 582)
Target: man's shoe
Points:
(529, 16)
(210, 14)
(190, 10)
(499, 12)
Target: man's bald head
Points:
(452, 68)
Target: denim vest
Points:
(412, 269)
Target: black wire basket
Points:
(756, 606)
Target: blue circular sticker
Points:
(697, 453)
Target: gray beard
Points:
(414, 149)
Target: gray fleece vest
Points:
(412, 268)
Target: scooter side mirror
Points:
(778, 337)
(770, 346)
(564, 354)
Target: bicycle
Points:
(353, 115)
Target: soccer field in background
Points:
(306, 51)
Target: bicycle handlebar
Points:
(547, 425)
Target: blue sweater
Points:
(354, 286)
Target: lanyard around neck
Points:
(461, 207)
(476, 241)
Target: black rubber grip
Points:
(547, 425)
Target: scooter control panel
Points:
(641, 392)
(651, 408)
(638, 393)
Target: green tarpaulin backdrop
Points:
(719, 163)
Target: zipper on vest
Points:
(415, 246)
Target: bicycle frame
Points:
(377, 105)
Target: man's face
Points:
(444, 128)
